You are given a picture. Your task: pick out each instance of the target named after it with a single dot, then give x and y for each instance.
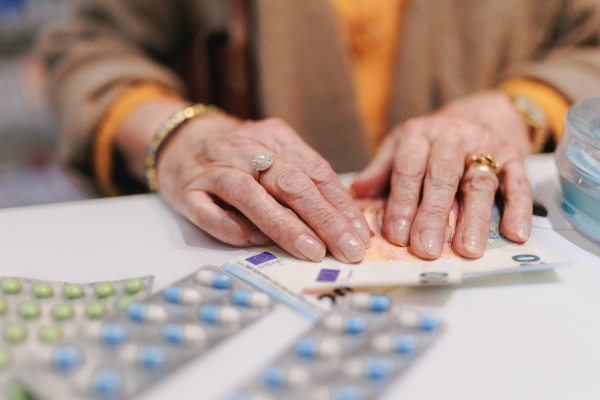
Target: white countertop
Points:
(520, 337)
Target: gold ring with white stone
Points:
(262, 162)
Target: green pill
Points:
(73, 291)
(50, 333)
(125, 302)
(11, 286)
(15, 391)
(5, 359)
(95, 310)
(3, 306)
(15, 332)
(104, 289)
(29, 309)
(134, 285)
(43, 290)
(62, 312)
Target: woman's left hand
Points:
(426, 164)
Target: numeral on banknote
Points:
(434, 277)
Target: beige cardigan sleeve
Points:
(104, 47)
(569, 58)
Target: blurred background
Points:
(29, 172)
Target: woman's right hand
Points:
(205, 172)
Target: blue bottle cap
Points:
(66, 357)
(209, 313)
(137, 311)
(428, 322)
(113, 333)
(221, 281)
(274, 376)
(152, 357)
(354, 324)
(106, 382)
(378, 368)
(172, 333)
(379, 303)
(173, 294)
(307, 347)
(242, 297)
(404, 344)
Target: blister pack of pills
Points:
(34, 314)
(353, 353)
(135, 348)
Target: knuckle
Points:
(275, 123)
(408, 166)
(320, 171)
(481, 183)
(519, 184)
(241, 189)
(478, 216)
(291, 183)
(445, 173)
(413, 126)
(434, 216)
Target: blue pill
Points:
(66, 357)
(173, 333)
(348, 393)
(274, 376)
(222, 315)
(173, 294)
(152, 357)
(371, 302)
(307, 347)
(429, 322)
(141, 312)
(106, 382)
(379, 303)
(209, 313)
(113, 333)
(242, 297)
(404, 344)
(216, 280)
(137, 311)
(354, 324)
(221, 281)
(377, 368)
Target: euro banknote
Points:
(300, 283)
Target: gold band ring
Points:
(484, 162)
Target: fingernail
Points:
(310, 248)
(350, 246)
(401, 230)
(430, 241)
(472, 240)
(260, 239)
(522, 229)
(362, 231)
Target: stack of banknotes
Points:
(302, 284)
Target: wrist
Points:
(138, 129)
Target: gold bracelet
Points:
(165, 132)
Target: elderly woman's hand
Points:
(425, 162)
(205, 172)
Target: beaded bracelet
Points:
(164, 133)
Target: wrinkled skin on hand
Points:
(425, 164)
(205, 172)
